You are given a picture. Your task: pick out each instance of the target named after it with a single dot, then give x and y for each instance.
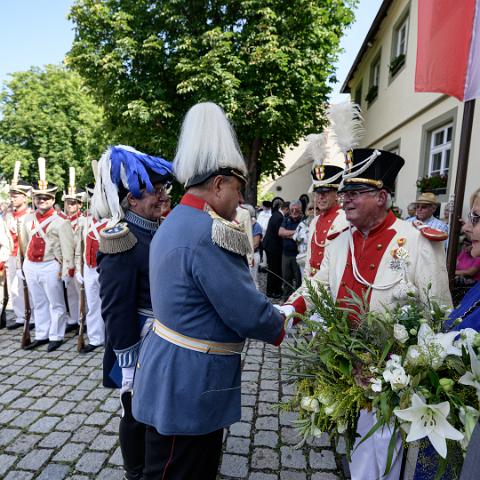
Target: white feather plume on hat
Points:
(317, 148)
(347, 125)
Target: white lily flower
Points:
(437, 345)
(469, 418)
(466, 338)
(429, 421)
(472, 378)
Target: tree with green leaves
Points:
(49, 113)
(266, 62)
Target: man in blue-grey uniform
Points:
(187, 380)
(137, 196)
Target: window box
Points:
(396, 64)
(372, 93)
(436, 184)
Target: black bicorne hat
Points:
(381, 172)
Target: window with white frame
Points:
(401, 35)
(375, 73)
(440, 150)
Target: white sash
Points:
(93, 228)
(38, 227)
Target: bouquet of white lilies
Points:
(419, 380)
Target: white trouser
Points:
(254, 267)
(73, 295)
(15, 290)
(369, 459)
(95, 325)
(46, 288)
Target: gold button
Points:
(343, 284)
(138, 365)
(372, 266)
(324, 231)
(379, 246)
(329, 221)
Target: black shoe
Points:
(53, 345)
(90, 348)
(71, 327)
(36, 344)
(14, 326)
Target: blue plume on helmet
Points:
(136, 166)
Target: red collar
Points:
(388, 221)
(47, 214)
(331, 210)
(21, 212)
(75, 216)
(193, 201)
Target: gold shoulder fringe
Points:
(116, 239)
(229, 235)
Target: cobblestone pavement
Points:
(58, 422)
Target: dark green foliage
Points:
(266, 63)
(48, 113)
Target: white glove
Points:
(127, 378)
(79, 278)
(318, 319)
(20, 274)
(287, 311)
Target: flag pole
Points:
(462, 168)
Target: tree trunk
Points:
(253, 173)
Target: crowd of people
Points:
(170, 294)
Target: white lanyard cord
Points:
(356, 273)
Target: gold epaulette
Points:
(229, 235)
(116, 239)
(430, 233)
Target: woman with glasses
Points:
(466, 315)
(468, 312)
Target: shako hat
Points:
(73, 192)
(367, 168)
(326, 177)
(17, 185)
(207, 147)
(42, 186)
(121, 170)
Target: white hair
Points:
(207, 143)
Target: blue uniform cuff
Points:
(128, 356)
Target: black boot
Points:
(132, 440)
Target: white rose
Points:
(413, 357)
(400, 333)
(310, 404)
(376, 384)
(341, 427)
(331, 408)
(399, 379)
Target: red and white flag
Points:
(448, 48)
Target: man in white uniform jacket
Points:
(365, 256)
(47, 241)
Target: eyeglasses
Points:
(473, 218)
(354, 194)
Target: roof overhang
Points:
(382, 13)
